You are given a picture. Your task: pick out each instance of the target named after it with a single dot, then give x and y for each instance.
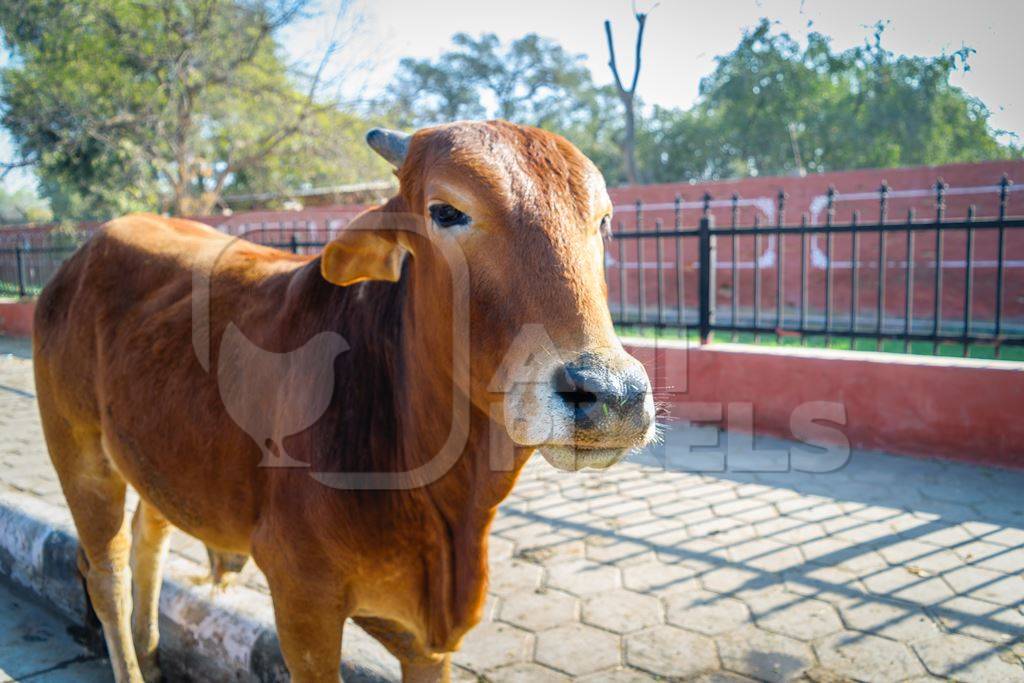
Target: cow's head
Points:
(528, 213)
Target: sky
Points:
(682, 40)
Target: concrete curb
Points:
(204, 635)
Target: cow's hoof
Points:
(150, 667)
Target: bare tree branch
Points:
(273, 139)
(641, 20)
(611, 53)
(628, 95)
(7, 166)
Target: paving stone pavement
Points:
(35, 645)
(887, 569)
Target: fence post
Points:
(21, 274)
(294, 243)
(707, 276)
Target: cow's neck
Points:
(392, 412)
(482, 473)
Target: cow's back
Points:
(126, 269)
(114, 353)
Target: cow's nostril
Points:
(571, 386)
(578, 397)
(634, 393)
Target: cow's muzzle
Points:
(610, 407)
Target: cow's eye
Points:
(606, 226)
(447, 216)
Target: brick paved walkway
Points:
(35, 645)
(888, 569)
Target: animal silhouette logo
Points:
(274, 395)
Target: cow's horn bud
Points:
(390, 144)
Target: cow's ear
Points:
(365, 249)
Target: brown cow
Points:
(377, 509)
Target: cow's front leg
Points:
(428, 671)
(310, 605)
(418, 664)
(309, 628)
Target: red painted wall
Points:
(961, 409)
(16, 318)
(802, 192)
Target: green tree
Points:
(124, 105)
(775, 107)
(340, 156)
(531, 80)
(526, 81)
(23, 206)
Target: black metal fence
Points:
(889, 283)
(935, 282)
(25, 269)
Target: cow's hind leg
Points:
(151, 534)
(95, 492)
